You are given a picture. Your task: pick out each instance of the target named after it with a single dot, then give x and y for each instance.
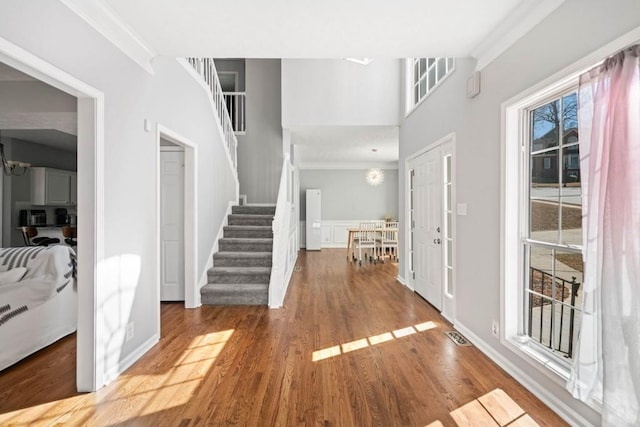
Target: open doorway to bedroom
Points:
(39, 217)
(52, 133)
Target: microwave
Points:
(33, 217)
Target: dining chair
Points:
(70, 235)
(30, 236)
(366, 239)
(387, 240)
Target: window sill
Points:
(554, 368)
(524, 345)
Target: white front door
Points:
(426, 236)
(172, 225)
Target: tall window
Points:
(552, 225)
(426, 73)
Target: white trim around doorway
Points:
(191, 283)
(408, 279)
(90, 368)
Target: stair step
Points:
(242, 259)
(247, 219)
(254, 210)
(245, 245)
(235, 294)
(239, 275)
(248, 231)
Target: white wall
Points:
(575, 29)
(336, 92)
(260, 149)
(170, 97)
(347, 196)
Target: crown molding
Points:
(347, 166)
(105, 20)
(520, 21)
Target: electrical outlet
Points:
(495, 329)
(129, 332)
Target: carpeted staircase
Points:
(242, 267)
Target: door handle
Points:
(436, 241)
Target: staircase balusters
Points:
(206, 68)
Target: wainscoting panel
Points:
(334, 233)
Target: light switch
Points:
(147, 125)
(461, 209)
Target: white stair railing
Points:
(235, 107)
(285, 248)
(206, 68)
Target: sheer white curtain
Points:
(607, 361)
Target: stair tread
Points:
(247, 239)
(218, 287)
(240, 270)
(247, 227)
(227, 254)
(236, 285)
(261, 216)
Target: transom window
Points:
(552, 231)
(426, 73)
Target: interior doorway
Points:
(171, 221)
(430, 224)
(90, 373)
(177, 228)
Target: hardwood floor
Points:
(351, 347)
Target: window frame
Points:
(412, 82)
(515, 153)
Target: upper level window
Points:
(425, 74)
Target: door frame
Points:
(449, 138)
(91, 329)
(190, 191)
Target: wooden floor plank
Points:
(386, 362)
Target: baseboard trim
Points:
(133, 357)
(564, 411)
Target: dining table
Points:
(353, 231)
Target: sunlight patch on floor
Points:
(146, 394)
(361, 343)
(495, 408)
(47, 413)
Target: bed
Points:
(38, 299)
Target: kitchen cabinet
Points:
(53, 187)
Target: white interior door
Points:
(172, 224)
(419, 225)
(426, 235)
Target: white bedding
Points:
(41, 308)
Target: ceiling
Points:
(311, 29)
(12, 125)
(349, 145)
(49, 137)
